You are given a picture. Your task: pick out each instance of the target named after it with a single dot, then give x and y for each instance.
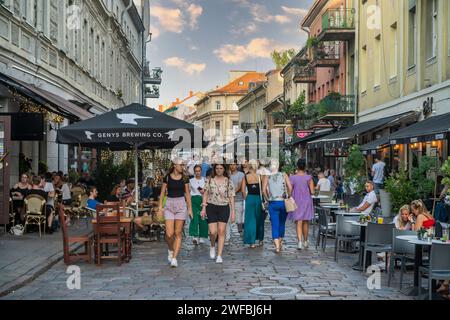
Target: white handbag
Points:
(289, 202)
(17, 230)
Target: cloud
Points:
(195, 11)
(256, 48)
(295, 11)
(169, 19)
(261, 14)
(188, 67)
(155, 31)
(246, 29)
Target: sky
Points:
(197, 42)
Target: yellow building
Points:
(218, 112)
(404, 66)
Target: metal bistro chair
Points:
(401, 249)
(325, 227)
(439, 268)
(35, 212)
(378, 239)
(328, 194)
(346, 232)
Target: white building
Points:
(88, 54)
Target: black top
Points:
(39, 192)
(253, 188)
(176, 188)
(112, 199)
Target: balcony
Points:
(326, 55)
(335, 107)
(305, 74)
(338, 25)
(154, 77)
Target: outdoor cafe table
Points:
(126, 223)
(418, 244)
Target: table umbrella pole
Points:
(136, 176)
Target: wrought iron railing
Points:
(335, 103)
(338, 19)
(327, 51)
(304, 72)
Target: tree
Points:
(290, 111)
(282, 58)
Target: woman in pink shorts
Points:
(178, 206)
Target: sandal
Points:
(252, 246)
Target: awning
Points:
(51, 101)
(340, 138)
(434, 128)
(316, 135)
(373, 146)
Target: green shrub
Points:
(401, 189)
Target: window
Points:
(431, 29)
(377, 62)
(217, 128)
(218, 105)
(393, 51)
(363, 71)
(235, 128)
(54, 16)
(412, 34)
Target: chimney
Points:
(178, 101)
(191, 94)
(161, 108)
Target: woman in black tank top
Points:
(178, 206)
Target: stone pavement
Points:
(313, 274)
(23, 258)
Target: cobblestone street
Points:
(314, 275)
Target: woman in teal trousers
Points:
(254, 216)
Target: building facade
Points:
(251, 107)
(218, 112)
(87, 54)
(404, 66)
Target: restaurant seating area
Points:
(402, 250)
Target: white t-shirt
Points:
(370, 198)
(324, 184)
(49, 188)
(378, 169)
(66, 192)
(195, 184)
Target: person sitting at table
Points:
(128, 192)
(369, 200)
(323, 183)
(147, 191)
(92, 202)
(18, 194)
(115, 195)
(401, 220)
(421, 218)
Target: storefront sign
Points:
(440, 136)
(304, 133)
(414, 140)
(288, 134)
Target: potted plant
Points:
(421, 233)
(420, 179)
(401, 189)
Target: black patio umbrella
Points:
(132, 127)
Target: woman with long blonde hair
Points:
(401, 220)
(423, 219)
(177, 207)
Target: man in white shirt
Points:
(323, 184)
(378, 174)
(369, 200)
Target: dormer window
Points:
(241, 83)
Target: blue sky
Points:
(197, 42)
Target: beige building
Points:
(183, 109)
(251, 107)
(404, 65)
(274, 98)
(218, 112)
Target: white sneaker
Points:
(202, 241)
(212, 253)
(170, 256)
(299, 245)
(219, 259)
(174, 263)
(195, 241)
(306, 244)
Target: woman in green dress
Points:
(198, 228)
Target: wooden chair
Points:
(76, 206)
(69, 257)
(35, 211)
(109, 231)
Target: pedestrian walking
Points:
(277, 188)
(254, 216)
(198, 228)
(177, 208)
(237, 177)
(218, 204)
(302, 190)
